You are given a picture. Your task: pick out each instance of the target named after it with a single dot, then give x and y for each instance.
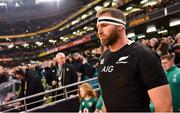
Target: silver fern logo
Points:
(122, 60)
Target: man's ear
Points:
(119, 28)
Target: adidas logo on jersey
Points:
(102, 61)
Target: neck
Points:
(60, 65)
(22, 78)
(171, 67)
(119, 44)
(87, 97)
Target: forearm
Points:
(164, 107)
(104, 108)
(161, 98)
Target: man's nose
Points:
(100, 31)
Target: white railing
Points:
(12, 105)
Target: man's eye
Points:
(104, 24)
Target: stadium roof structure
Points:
(36, 30)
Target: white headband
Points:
(111, 20)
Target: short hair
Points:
(20, 72)
(60, 53)
(76, 54)
(1, 67)
(116, 13)
(154, 39)
(177, 36)
(168, 57)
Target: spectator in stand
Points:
(38, 70)
(176, 49)
(171, 41)
(3, 75)
(177, 38)
(49, 76)
(144, 42)
(87, 69)
(66, 73)
(77, 63)
(173, 76)
(154, 43)
(89, 57)
(31, 84)
(163, 47)
(69, 59)
(63, 74)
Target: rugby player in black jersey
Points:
(130, 74)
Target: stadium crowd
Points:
(65, 69)
(84, 65)
(30, 27)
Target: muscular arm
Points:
(161, 98)
(104, 108)
(155, 80)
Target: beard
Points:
(110, 39)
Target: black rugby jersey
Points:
(126, 75)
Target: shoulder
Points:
(93, 99)
(33, 79)
(82, 100)
(141, 48)
(144, 52)
(104, 54)
(69, 66)
(177, 70)
(36, 77)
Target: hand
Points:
(84, 61)
(54, 82)
(97, 111)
